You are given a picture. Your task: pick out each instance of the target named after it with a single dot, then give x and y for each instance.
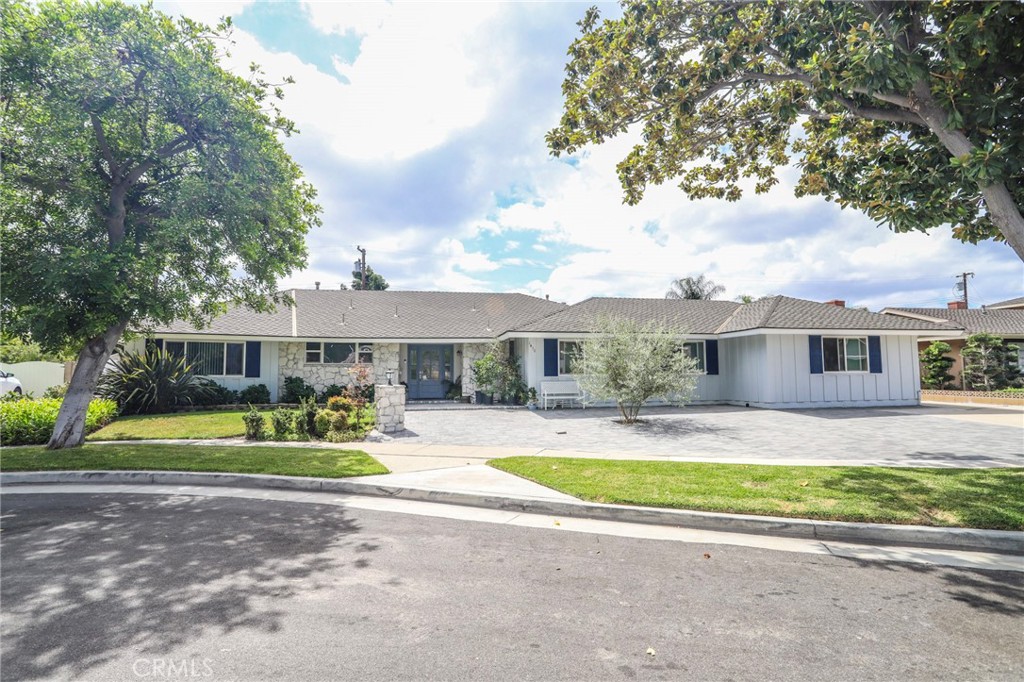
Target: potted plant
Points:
(531, 398)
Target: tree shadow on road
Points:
(996, 592)
(89, 577)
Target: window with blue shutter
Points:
(875, 354)
(252, 359)
(551, 357)
(814, 346)
(711, 351)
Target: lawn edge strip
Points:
(963, 539)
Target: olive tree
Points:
(143, 182)
(632, 362)
(912, 112)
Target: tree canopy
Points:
(374, 281)
(912, 112)
(143, 182)
(698, 288)
(632, 362)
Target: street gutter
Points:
(970, 539)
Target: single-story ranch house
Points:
(777, 352)
(1004, 319)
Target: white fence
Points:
(36, 377)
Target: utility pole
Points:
(962, 285)
(362, 266)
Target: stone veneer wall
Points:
(292, 356)
(389, 404)
(471, 352)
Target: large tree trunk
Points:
(69, 431)
(1004, 213)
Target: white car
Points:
(9, 383)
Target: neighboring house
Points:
(1004, 319)
(776, 352)
(1012, 304)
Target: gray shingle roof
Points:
(689, 317)
(783, 312)
(328, 313)
(1010, 303)
(721, 317)
(1003, 322)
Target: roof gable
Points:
(1001, 322)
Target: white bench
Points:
(562, 392)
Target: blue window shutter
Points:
(252, 358)
(551, 357)
(814, 343)
(711, 356)
(875, 354)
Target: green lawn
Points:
(178, 425)
(973, 498)
(286, 461)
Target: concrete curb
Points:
(969, 539)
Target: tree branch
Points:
(101, 139)
(876, 114)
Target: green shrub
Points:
(281, 422)
(305, 419)
(58, 391)
(152, 382)
(255, 426)
(330, 392)
(339, 422)
(343, 436)
(340, 404)
(295, 389)
(323, 422)
(257, 394)
(215, 394)
(30, 422)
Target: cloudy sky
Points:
(422, 126)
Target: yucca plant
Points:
(151, 382)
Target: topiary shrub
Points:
(257, 394)
(281, 423)
(323, 422)
(295, 389)
(255, 426)
(152, 382)
(31, 422)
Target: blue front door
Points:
(430, 371)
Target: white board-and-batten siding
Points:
(773, 370)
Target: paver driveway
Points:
(941, 435)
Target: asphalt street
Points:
(130, 587)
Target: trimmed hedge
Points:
(30, 422)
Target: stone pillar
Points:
(389, 404)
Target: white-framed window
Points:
(567, 353)
(335, 353)
(695, 350)
(844, 353)
(211, 358)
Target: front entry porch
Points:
(430, 369)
